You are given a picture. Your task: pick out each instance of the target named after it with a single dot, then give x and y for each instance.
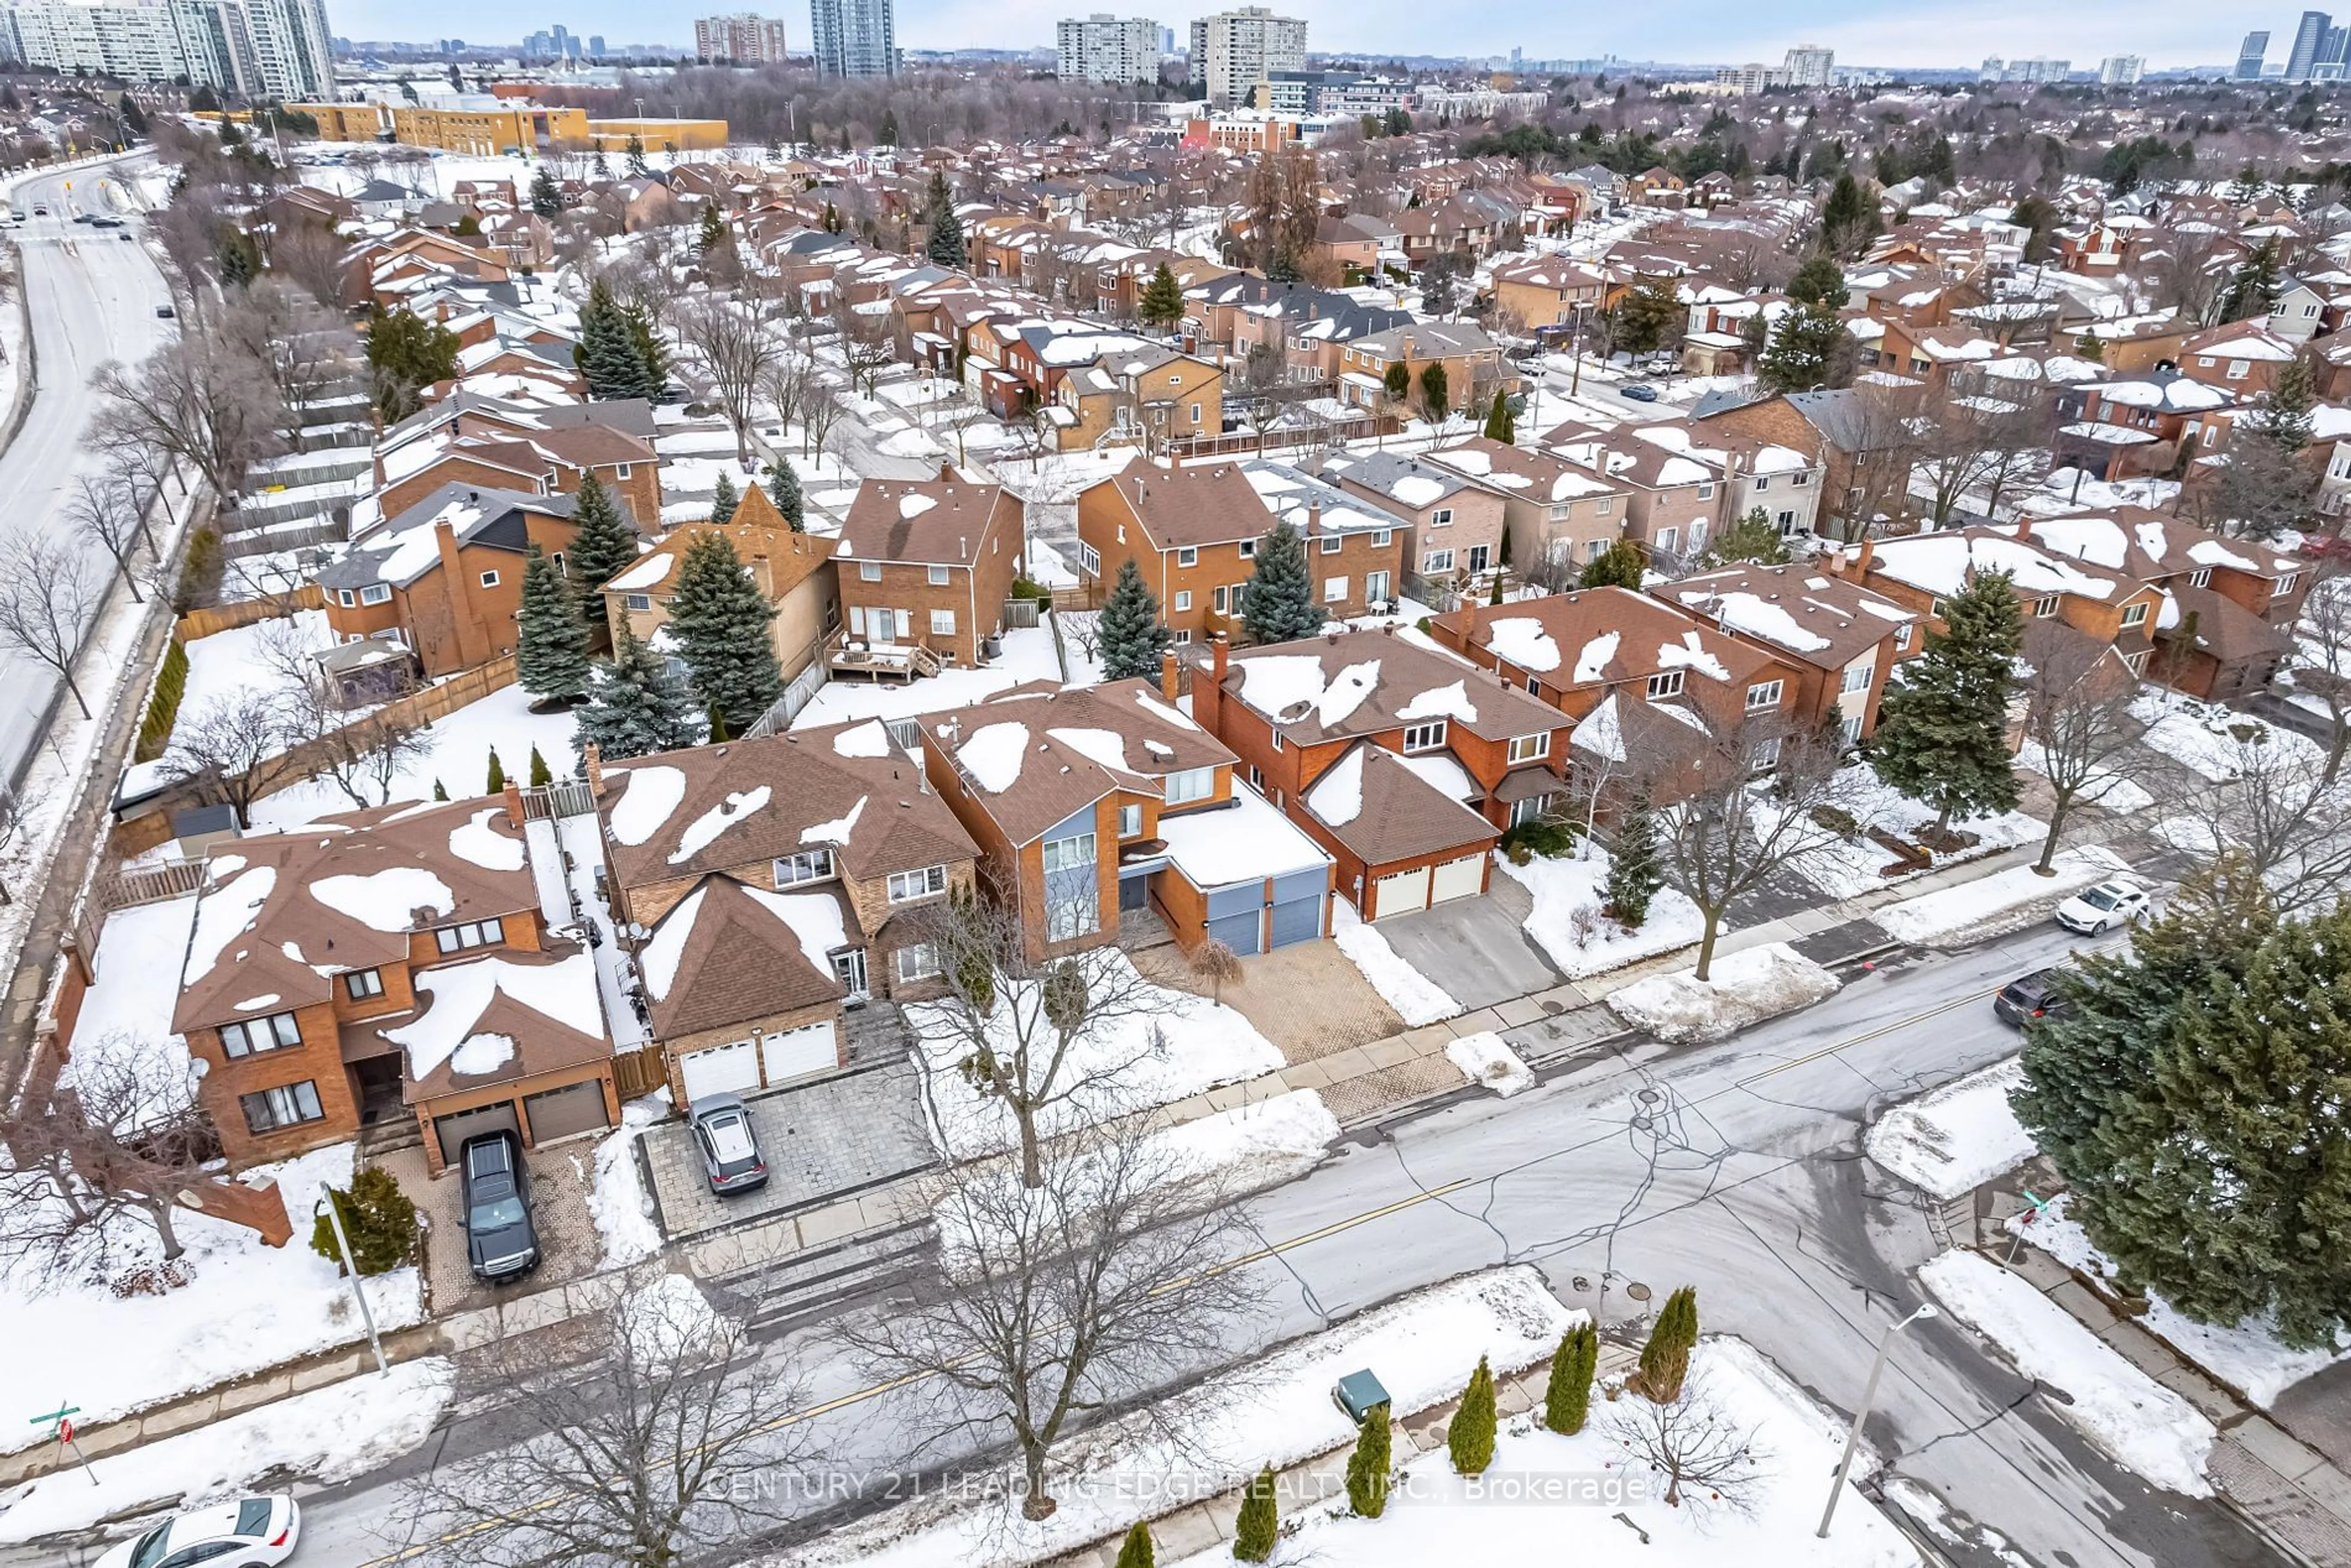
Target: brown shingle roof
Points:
(1834, 620)
(1372, 683)
(1203, 504)
(890, 521)
(742, 959)
(1400, 816)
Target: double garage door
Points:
(1242, 917)
(552, 1113)
(1407, 891)
(745, 1065)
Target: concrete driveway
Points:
(1475, 948)
(836, 1135)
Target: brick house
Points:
(1148, 397)
(384, 959)
(1471, 361)
(549, 462)
(1101, 811)
(1546, 293)
(777, 879)
(2245, 357)
(2107, 603)
(1841, 639)
(445, 576)
(794, 572)
(926, 564)
(1403, 762)
(1453, 529)
(1554, 510)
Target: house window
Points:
(1069, 853)
(250, 1037)
(1763, 694)
(1331, 543)
(1248, 550)
(1667, 538)
(2237, 369)
(2201, 578)
(1277, 740)
(1436, 561)
(1762, 483)
(1184, 637)
(1528, 810)
(470, 934)
(2136, 663)
(1381, 538)
(942, 622)
(1902, 636)
(1859, 675)
(1090, 561)
(1605, 505)
(1196, 414)
(1257, 780)
(908, 885)
(375, 594)
(2284, 585)
(808, 865)
(621, 470)
(1183, 598)
(1530, 747)
(489, 580)
(271, 1109)
(1934, 607)
(1334, 590)
(1764, 754)
(1188, 556)
(1130, 822)
(361, 984)
(346, 598)
(1427, 736)
(2134, 615)
(1441, 518)
(916, 961)
(1664, 684)
(939, 577)
(1705, 491)
(637, 601)
(1799, 478)
(2046, 605)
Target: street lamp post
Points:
(344, 1246)
(1868, 1396)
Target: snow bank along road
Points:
(1735, 1167)
(92, 299)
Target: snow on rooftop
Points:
(1759, 617)
(1594, 659)
(915, 504)
(1338, 796)
(226, 913)
(564, 991)
(1104, 747)
(1417, 490)
(647, 574)
(1160, 710)
(993, 755)
(1446, 776)
(815, 921)
(1522, 640)
(1249, 840)
(836, 831)
(659, 959)
(1940, 564)
(1601, 731)
(386, 900)
(2212, 552)
(474, 839)
(705, 829)
(1692, 655)
(653, 792)
(1450, 701)
(870, 738)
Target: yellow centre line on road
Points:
(1867, 1035)
(842, 1402)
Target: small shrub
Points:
(1519, 853)
(163, 707)
(1838, 820)
(1567, 1397)
(1029, 587)
(1470, 1438)
(1137, 1550)
(379, 1220)
(152, 1278)
(201, 570)
(1259, 1526)
(1368, 1468)
(1545, 837)
(1665, 1360)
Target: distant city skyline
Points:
(1925, 34)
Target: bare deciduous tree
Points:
(48, 596)
(661, 1435)
(1710, 1459)
(865, 344)
(103, 508)
(237, 745)
(200, 399)
(735, 349)
(2322, 659)
(1215, 965)
(1051, 1039)
(1980, 435)
(2077, 716)
(2280, 812)
(1097, 1282)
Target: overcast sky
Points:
(1862, 32)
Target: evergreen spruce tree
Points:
(608, 355)
(635, 706)
(712, 231)
(1162, 305)
(1136, 1551)
(2254, 286)
(1279, 605)
(1567, 1397)
(720, 622)
(645, 339)
(1635, 874)
(1470, 1438)
(603, 544)
(784, 489)
(1499, 426)
(379, 1221)
(1847, 217)
(946, 247)
(1259, 1524)
(1752, 538)
(542, 774)
(888, 136)
(1433, 392)
(1820, 281)
(1942, 733)
(1665, 1360)
(498, 773)
(1131, 636)
(1618, 566)
(634, 152)
(439, 791)
(1369, 1466)
(545, 195)
(723, 499)
(550, 640)
(1803, 352)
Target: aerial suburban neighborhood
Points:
(1214, 793)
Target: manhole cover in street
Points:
(1637, 1290)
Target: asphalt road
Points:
(1734, 1167)
(92, 299)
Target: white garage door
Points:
(1464, 878)
(1401, 894)
(721, 1069)
(796, 1052)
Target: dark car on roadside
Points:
(2029, 998)
(730, 1150)
(1639, 391)
(501, 1242)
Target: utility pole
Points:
(1861, 1413)
(344, 1246)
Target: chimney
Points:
(592, 768)
(514, 806)
(1170, 682)
(1209, 696)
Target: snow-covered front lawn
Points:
(2144, 1426)
(2105, 787)
(327, 1436)
(1416, 999)
(2004, 901)
(1434, 1515)
(246, 1307)
(1209, 1439)
(1115, 1063)
(1567, 925)
(1846, 868)
(1746, 988)
(2247, 1357)
(459, 758)
(1953, 1141)
(2208, 738)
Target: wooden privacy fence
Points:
(637, 1073)
(421, 707)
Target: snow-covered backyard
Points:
(1028, 655)
(459, 758)
(2144, 1426)
(1745, 987)
(2006, 900)
(1953, 1140)
(1567, 924)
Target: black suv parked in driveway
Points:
(2031, 996)
(501, 1243)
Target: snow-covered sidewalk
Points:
(1745, 987)
(1953, 1140)
(1991, 905)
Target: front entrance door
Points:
(1133, 893)
(849, 968)
(1479, 557)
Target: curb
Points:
(28, 384)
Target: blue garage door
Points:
(1298, 907)
(1236, 916)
